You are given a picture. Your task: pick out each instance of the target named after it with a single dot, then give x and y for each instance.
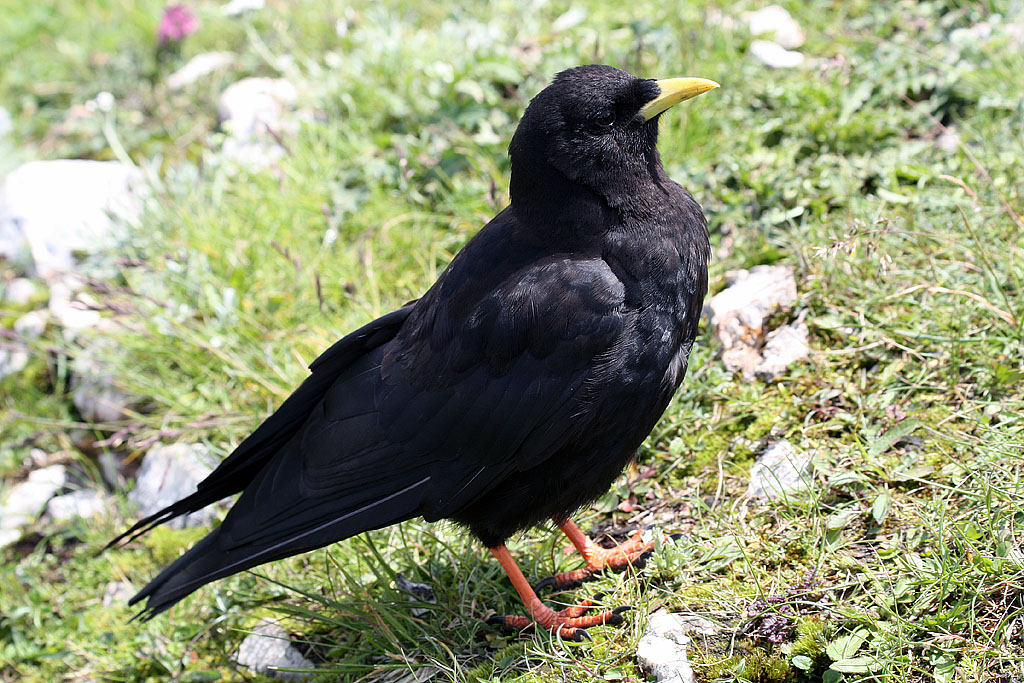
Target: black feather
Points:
(515, 389)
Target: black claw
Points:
(496, 620)
(579, 635)
(544, 583)
(621, 609)
(676, 536)
(598, 595)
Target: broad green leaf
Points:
(802, 662)
(846, 646)
(880, 508)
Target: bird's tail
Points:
(215, 556)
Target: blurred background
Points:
(199, 198)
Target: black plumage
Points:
(521, 383)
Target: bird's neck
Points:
(542, 196)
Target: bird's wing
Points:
(416, 427)
(238, 469)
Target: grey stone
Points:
(778, 22)
(693, 624)
(662, 649)
(423, 592)
(774, 55)
(783, 347)
(269, 648)
(26, 500)
(94, 391)
(50, 210)
(739, 312)
(781, 470)
(83, 504)
(117, 593)
(199, 66)
(168, 474)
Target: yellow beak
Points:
(674, 91)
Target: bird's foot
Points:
(633, 552)
(569, 623)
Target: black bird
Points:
(516, 389)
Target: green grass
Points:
(909, 266)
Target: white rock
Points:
(777, 21)
(948, 140)
(780, 470)
(19, 291)
(94, 390)
(738, 312)
(252, 112)
(26, 500)
(662, 650)
(70, 312)
(52, 209)
(199, 66)
(117, 593)
(83, 504)
(238, 7)
(253, 104)
(782, 348)
(31, 325)
(268, 648)
(774, 55)
(694, 624)
(168, 474)
(13, 358)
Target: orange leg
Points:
(597, 558)
(568, 623)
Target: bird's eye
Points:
(605, 120)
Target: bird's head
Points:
(597, 127)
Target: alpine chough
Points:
(516, 389)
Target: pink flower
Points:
(177, 22)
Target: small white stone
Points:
(82, 504)
(253, 114)
(168, 474)
(26, 500)
(238, 7)
(738, 312)
(19, 291)
(662, 650)
(783, 347)
(269, 648)
(51, 209)
(781, 470)
(31, 325)
(13, 359)
(774, 55)
(117, 593)
(948, 140)
(777, 21)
